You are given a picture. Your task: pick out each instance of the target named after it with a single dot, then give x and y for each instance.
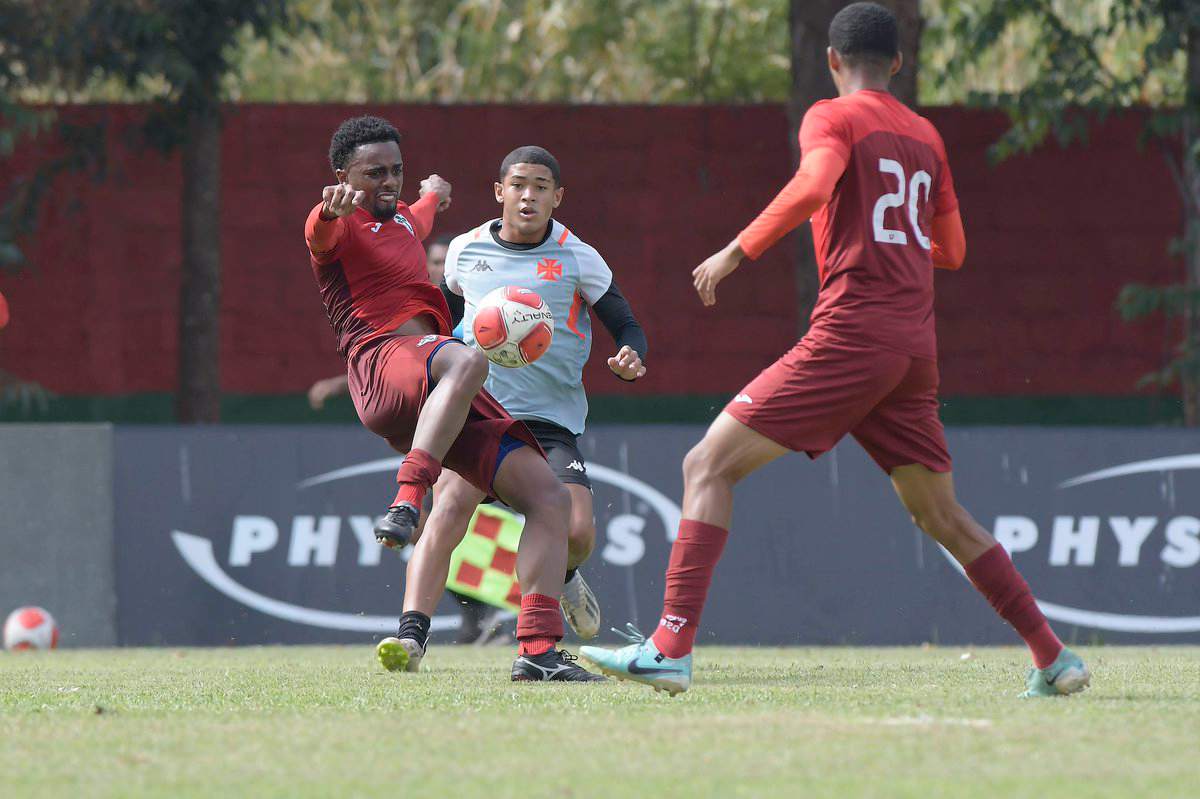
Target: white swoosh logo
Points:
(197, 551)
(1171, 464)
(667, 510)
(1116, 622)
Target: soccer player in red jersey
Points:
(422, 390)
(874, 177)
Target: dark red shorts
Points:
(389, 381)
(820, 391)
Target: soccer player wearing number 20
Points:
(874, 177)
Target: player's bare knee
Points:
(702, 465)
(941, 522)
(581, 538)
(547, 502)
(471, 370)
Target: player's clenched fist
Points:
(627, 364)
(436, 184)
(340, 200)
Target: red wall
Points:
(1051, 238)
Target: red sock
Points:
(694, 555)
(539, 625)
(419, 471)
(994, 574)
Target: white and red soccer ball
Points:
(513, 326)
(30, 628)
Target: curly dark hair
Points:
(355, 132)
(865, 32)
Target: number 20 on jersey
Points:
(907, 186)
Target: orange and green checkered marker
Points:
(484, 565)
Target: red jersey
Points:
(872, 238)
(372, 274)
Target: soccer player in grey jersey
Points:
(526, 247)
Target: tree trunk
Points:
(809, 21)
(1191, 171)
(908, 17)
(199, 395)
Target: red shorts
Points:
(389, 381)
(820, 390)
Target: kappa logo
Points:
(743, 398)
(400, 220)
(427, 340)
(481, 266)
(549, 269)
(576, 465)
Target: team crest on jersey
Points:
(427, 340)
(400, 220)
(549, 269)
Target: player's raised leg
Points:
(930, 500)
(579, 604)
(729, 452)
(457, 374)
(525, 483)
(425, 579)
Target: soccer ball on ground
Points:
(30, 628)
(513, 326)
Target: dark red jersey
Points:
(874, 177)
(372, 274)
(873, 237)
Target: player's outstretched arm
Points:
(949, 241)
(716, 268)
(340, 200)
(809, 189)
(323, 230)
(615, 313)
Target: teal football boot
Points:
(642, 662)
(1066, 675)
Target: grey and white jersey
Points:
(569, 275)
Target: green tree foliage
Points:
(174, 54)
(1081, 62)
(984, 50)
(589, 51)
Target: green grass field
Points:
(326, 721)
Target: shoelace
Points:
(631, 634)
